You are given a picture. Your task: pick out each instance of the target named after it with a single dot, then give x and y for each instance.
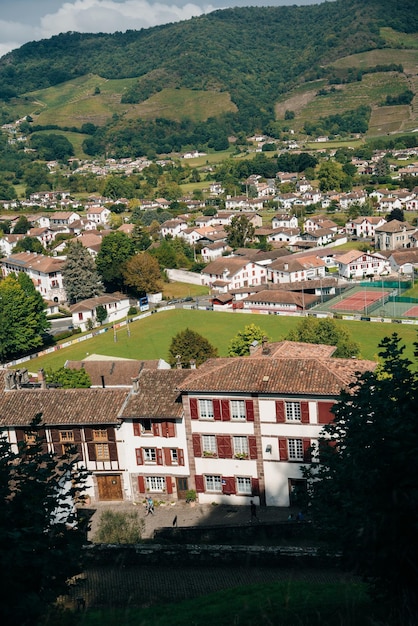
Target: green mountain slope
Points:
(248, 59)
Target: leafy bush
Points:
(119, 527)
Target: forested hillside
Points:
(253, 55)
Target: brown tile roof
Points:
(287, 376)
(61, 406)
(158, 395)
(34, 261)
(92, 303)
(281, 297)
(115, 373)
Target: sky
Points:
(30, 20)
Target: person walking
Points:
(150, 506)
(253, 510)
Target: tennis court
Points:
(360, 300)
(412, 312)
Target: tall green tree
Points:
(240, 344)
(23, 320)
(80, 277)
(188, 345)
(22, 226)
(115, 250)
(41, 537)
(363, 493)
(239, 232)
(142, 274)
(68, 378)
(328, 332)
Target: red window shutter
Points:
(197, 445)
(111, 436)
(224, 445)
(156, 429)
(20, 435)
(92, 451)
(180, 456)
(55, 435)
(77, 441)
(306, 451)
(255, 486)
(200, 484)
(228, 485)
(159, 456)
(283, 449)
(88, 433)
(217, 409)
(137, 429)
(304, 413)
(324, 412)
(226, 413)
(280, 412)
(169, 484)
(167, 456)
(194, 411)
(252, 446)
(113, 451)
(249, 410)
(170, 429)
(139, 456)
(141, 484)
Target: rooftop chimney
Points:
(41, 378)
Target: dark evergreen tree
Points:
(363, 493)
(41, 537)
(80, 277)
(239, 232)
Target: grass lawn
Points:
(150, 337)
(287, 603)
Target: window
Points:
(206, 409)
(150, 455)
(66, 436)
(102, 452)
(244, 485)
(209, 444)
(295, 448)
(174, 456)
(241, 447)
(238, 410)
(146, 427)
(155, 483)
(293, 411)
(30, 439)
(100, 434)
(213, 483)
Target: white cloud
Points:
(109, 16)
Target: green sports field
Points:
(150, 337)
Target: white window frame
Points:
(213, 483)
(155, 483)
(150, 455)
(174, 456)
(244, 485)
(209, 444)
(293, 411)
(206, 409)
(295, 449)
(238, 411)
(240, 445)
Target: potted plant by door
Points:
(191, 497)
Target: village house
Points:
(84, 313)
(210, 252)
(233, 272)
(284, 220)
(320, 236)
(173, 227)
(8, 243)
(363, 226)
(358, 264)
(316, 222)
(278, 301)
(393, 235)
(404, 261)
(44, 271)
(292, 269)
(99, 215)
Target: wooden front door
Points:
(182, 487)
(110, 487)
